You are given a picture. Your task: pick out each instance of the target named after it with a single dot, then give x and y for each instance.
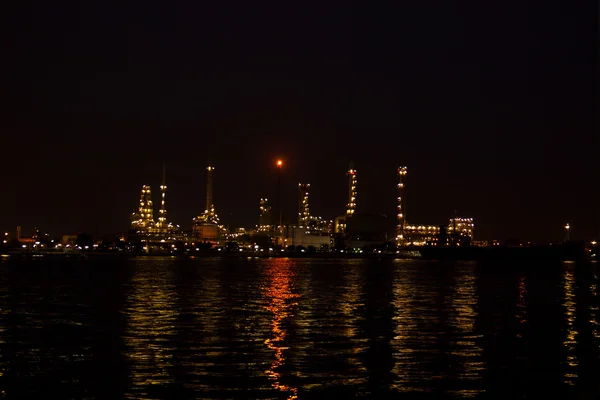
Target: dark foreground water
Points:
(163, 328)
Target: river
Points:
(246, 328)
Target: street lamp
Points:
(567, 232)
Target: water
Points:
(166, 328)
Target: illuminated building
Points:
(206, 226)
(411, 234)
(143, 220)
(421, 235)
(309, 223)
(153, 235)
(401, 218)
(303, 207)
(460, 230)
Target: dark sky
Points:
(491, 107)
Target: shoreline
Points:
(533, 253)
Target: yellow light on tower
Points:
(279, 163)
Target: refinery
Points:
(349, 232)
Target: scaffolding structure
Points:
(265, 223)
(352, 182)
(400, 235)
(303, 206)
(143, 220)
(162, 224)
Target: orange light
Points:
(279, 163)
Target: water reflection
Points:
(281, 302)
(405, 304)
(594, 317)
(230, 328)
(150, 315)
(569, 341)
(521, 314)
(4, 313)
(350, 303)
(378, 327)
(464, 348)
(435, 344)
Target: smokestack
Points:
(209, 188)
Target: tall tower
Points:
(352, 182)
(162, 213)
(210, 209)
(303, 208)
(265, 214)
(144, 219)
(401, 217)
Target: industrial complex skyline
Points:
(493, 116)
(294, 210)
(143, 219)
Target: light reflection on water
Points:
(150, 315)
(281, 302)
(424, 320)
(570, 339)
(153, 328)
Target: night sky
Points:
(490, 106)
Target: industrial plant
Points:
(348, 232)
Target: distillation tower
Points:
(401, 217)
(143, 220)
(303, 207)
(265, 218)
(352, 182)
(162, 224)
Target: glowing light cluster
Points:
(303, 206)
(143, 220)
(401, 219)
(463, 227)
(162, 213)
(210, 215)
(352, 182)
(264, 224)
